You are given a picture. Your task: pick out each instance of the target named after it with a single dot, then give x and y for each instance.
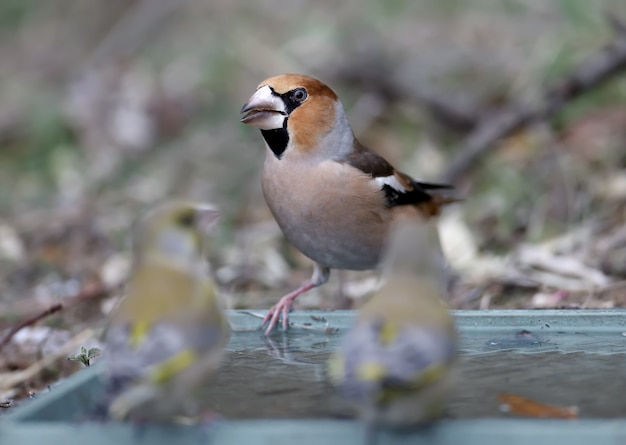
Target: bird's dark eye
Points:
(187, 219)
(299, 95)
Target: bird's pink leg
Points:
(284, 305)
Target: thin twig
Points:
(9, 380)
(457, 114)
(591, 73)
(28, 322)
(92, 291)
(253, 314)
(89, 292)
(616, 23)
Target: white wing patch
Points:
(391, 181)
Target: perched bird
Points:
(166, 337)
(397, 362)
(333, 198)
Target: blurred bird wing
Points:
(380, 360)
(165, 350)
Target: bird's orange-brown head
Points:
(292, 108)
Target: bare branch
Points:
(456, 113)
(89, 292)
(618, 24)
(28, 322)
(591, 73)
(9, 380)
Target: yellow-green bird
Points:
(166, 337)
(396, 363)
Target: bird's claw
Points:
(278, 311)
(283, 307)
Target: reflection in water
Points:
(285, 377)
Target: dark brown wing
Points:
(399, 188)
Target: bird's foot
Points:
(281, 309)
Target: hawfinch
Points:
(397, 363)
(333, 198)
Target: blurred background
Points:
(110, 107)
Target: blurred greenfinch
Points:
(396, 363)
(166, 337)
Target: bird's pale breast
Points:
(330, 211)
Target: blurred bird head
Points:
(174, 230)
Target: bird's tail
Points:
(434, 186)
(439, 197)
(433, 207)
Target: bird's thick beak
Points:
(207, 216)
(264, 110)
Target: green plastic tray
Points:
(50, 417)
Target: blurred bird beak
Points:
(208, 216)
